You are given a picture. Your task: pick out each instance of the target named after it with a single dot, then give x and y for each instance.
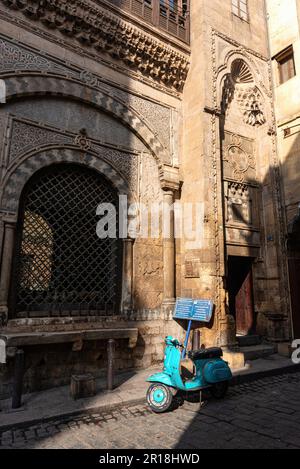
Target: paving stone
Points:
(250, 417)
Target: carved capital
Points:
(169, 179)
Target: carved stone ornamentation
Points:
(25, 136)
(82, 141)
(239, 204)
(251, 104)
(126, 163)
(150, 266)
(239, 160)
(150, 189)
(240, 85)
(28, 137)
(157, 116)
(106, 33)
(13, 57)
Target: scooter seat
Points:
(202, 354)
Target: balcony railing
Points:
(172, 16)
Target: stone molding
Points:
(22, 60)
(17, 176)
(18, 86)
(106, 33)
(30, 137)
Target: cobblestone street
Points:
(262, 414)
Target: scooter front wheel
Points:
(159, 398)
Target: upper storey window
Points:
(172, 16)
(177, 6)
(286, 65)
(240, 8)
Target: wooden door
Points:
(294, 270)
(244, 307)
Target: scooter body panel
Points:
(162, 378)
(208, 371)
(171, 373)
(216, 371)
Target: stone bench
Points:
(16, 341)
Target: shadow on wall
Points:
(193, 436)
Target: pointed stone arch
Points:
(237, 79)
(19, 175)
(37, 85)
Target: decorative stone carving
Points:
(192, 268)
(126, 163)
(29, 136)
(15, 57)
(240, 72)
(238, 158)
(239, 204)
(157, 115)
(26, 136)
(150, 188)
(149, 266)
(82, 141)
(108, 34)
(251, 104)
(239, 85)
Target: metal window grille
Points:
(61, 267)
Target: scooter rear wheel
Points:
(159, 398)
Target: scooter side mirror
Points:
(169, 340)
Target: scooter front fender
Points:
(162, 378)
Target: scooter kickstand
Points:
(202, 403)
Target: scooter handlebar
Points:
(177, 343)
(170, 341)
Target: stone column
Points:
(169, 252)
(128, 274)
(7, 257)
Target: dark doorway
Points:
(294, 272)
(61, 267)
(240, 289)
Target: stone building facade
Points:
(284, 30)
(160, 102)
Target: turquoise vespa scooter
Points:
(210, 371)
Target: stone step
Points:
(254, 352)
(248, 340)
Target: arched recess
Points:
(36, 85)
(19, 174)
(238, 78)
(244, 122)
(61, 266)
(248, 69)
(16, 179)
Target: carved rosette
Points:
(239, 160)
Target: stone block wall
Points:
(53, 365)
